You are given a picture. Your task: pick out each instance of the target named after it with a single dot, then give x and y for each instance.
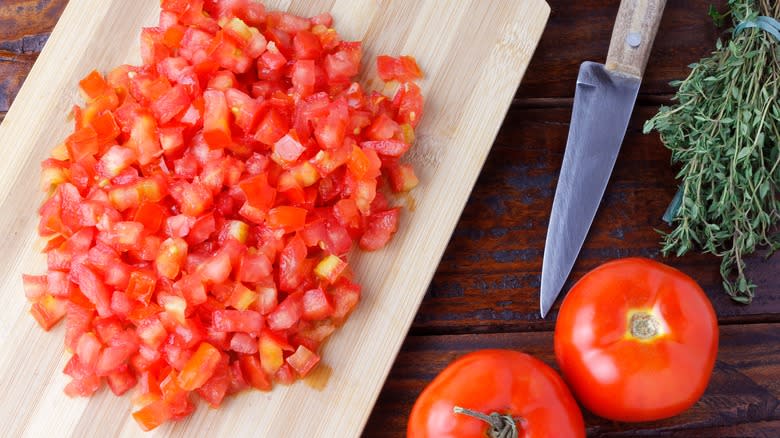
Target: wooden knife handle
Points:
(632, 38)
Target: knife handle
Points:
(632, 38)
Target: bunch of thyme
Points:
(724, 132)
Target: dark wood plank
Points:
(742, 400)
(24, 27)
(489, 276)
(580, 31)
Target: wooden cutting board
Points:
(473, 52)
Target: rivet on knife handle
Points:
(632, 37)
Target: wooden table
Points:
(485, 292)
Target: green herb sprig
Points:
(724, 132)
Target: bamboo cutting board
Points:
(473, 53)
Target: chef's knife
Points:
(603, 101)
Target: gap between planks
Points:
(537, 326)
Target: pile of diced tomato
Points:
(199, 216)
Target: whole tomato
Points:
(636, 340)
(515, 394)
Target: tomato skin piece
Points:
(152, 415)
(503, 381)
(199, 368)
(403, 69)
(253, 372)
(289, 219)
(654, 377)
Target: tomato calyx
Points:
(644, 326)
(501, 426)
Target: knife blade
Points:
(604, 98)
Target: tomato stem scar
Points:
(644, 325)
(501, 426)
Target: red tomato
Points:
(199, 215)
(401, 69)
(522, 390)
(652, 339)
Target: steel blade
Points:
(603, 102)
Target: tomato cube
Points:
(199, 368)
(247, 321)
(315, 305)
(303, 360)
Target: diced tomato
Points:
(290, 264)
(408, 99)
(247, 321)
(215, 389)
(48, 311)
(141, 285)
(245, 109)
(193, 199)
(92, 287)
(171, 103)
(144, 139)
(121, 381)
(307, 45)
(316, 305)
(289, 219)
(344, 64)
(83, 387)
(303, 360)
(403, 69)
(254, 268)
(330, 268)
(216, 129)
(345, 297)
(199, 215)
(152, 415)
(271, 128)
(253, 372)
(271, 349)
(267, 299)
(287, 313)
(402, 177)
(304, 77)
(390, 148)
(216, 269)
(35, 286)
(381, 227)
(88, 350)
(199, 368)
(173, 252)
(258, 192)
